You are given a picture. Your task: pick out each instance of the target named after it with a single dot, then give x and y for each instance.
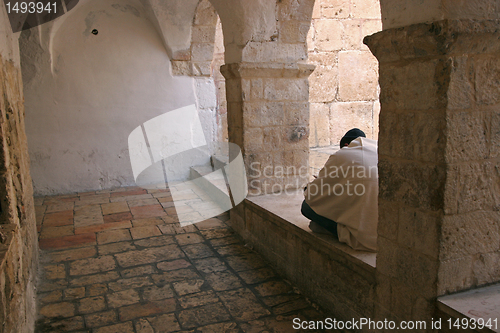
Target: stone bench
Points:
(481, 303)
(339, 279)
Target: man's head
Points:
(351, 135)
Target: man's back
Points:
(346, 191)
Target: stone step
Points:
(212, 182)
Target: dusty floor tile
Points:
(127, 327)
(73, 254)
(74, 293)
(155, 241)
(115, 248)
(122, 298)
(63, 310)
(188, 286)
(147, 309)
(59, 207)
(92, 265)
(245, 262)
(124, 284)
(101, 318)
(223, 281)
(272, 288)
(211, 223)
(145, 232)
(113, 236)
(185, 239)
(142, 212)
(198, 299)
(50, 297)
(257, 275)
(164, 323)
(97, 289)
(68, 241)
(60, 325)
(197, 251)
(138, 271)
(142, 202)
(58, 219)
(114, 207)
(154, 293)
(242, 304)
(117, 217)
(147, 256)
(173, 276)
(93, 279)
(53, 272)
(221, 327)
(147, 222)
(56, 232)
(210, 265)
(103, 227)
(204, 315)
(91, 304)
(173, 265)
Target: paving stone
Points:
(97, 289)
(233, 250)
(91, 304)
(155, 293)
(230, 327)
(212, 223)
(143, 326)
(147, 256)
(292, 306)
(113, 236)
(280, 299)
(122, 298)
(223, 281)
(224, 241)
(204, 315)
(103, 227)
(117, 217)
(198, 299)
(173, 276)
(216, 233)
(96, 278)
(257, 275)
(242, 304)
(147, 222)
(209, 265)
(173, 265)
(53, 272)
(118, 328)
(55, 232)
(53, 285)
(190, 238)
(142, 202)
(272, 288)
(130, 197)
(164, 323)
(60, 325)
(142, 212)
(147, 309)
(155, 241)
(145, 232)
(63, 310)
(50, 297)
(198, 251)
(59, 207)
(245, 262)
(74, 293)
(129, 193)
(138, 271)
(115, 248)
(88, 215)
(68, 241)
(74, 254)
(58, 219)
(92, 265)
(114, 207)
(135, 282)
(271, 324)
(188, 286)
(101, 318)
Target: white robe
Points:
(346, 191)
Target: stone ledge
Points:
(473, 304)
(269, 70)
(286, 209)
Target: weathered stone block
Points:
(388, 220)
(352, 34)
(319, 125)
(344, 116)
(467, 136)
(328, 35)
(487, 73)
(324, 82)
(202, 52)
(367, 9)
(335, 9)
(205, 14)
(454, 275)
(203, 34)
(469, 234)
(253, 139)
(294, 31)
(486, 268)
(358, 76)
(286, 90)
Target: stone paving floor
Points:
(118, 262)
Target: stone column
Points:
(438, 163)
(268, 117)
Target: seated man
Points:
(343, 199)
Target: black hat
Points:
(351, 135)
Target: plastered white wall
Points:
(85, 93)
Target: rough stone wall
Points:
(440, 180)
(344, 86)
(18, 235)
